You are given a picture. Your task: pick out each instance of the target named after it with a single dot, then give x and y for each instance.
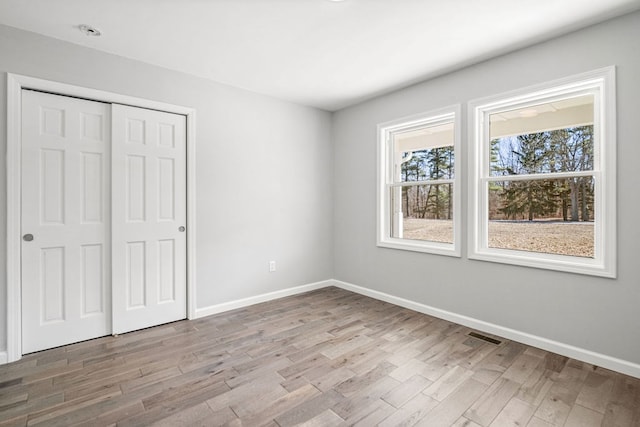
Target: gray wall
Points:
(601, 315)
(264, 185)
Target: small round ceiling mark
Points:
(88, 30)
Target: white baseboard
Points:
(232, 305)
(602, 360)
(3, 357)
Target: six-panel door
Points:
(149, 218)
(66, 292)
(103, 217)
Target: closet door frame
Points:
(15, 84)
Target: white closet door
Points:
(149, 216)
(65, 220)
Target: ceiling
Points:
(321, 53)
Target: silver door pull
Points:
(181, 228)
(27, 237)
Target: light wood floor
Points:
(324, 358)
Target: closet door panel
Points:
(149, 218)
(65, 220)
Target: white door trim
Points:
(15, 84)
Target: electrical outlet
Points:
(272, 266)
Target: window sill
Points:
(565, 263)
(436, 248)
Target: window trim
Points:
(604, 172)
(384, 171)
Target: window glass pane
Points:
(562, 150)
(549, 216)
(423, 212)
(431, 164)
(546, 138)
(425, 153)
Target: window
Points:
(542, 182)
(418, 192)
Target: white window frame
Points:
(600, 82)
(386, 182)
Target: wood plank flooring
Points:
(324, 358)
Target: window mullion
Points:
(538, 176)
(425, 182)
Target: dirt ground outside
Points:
(554, 237)
(433, 230)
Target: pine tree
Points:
(440, 165)
(535, 198)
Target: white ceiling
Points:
(320, 53)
